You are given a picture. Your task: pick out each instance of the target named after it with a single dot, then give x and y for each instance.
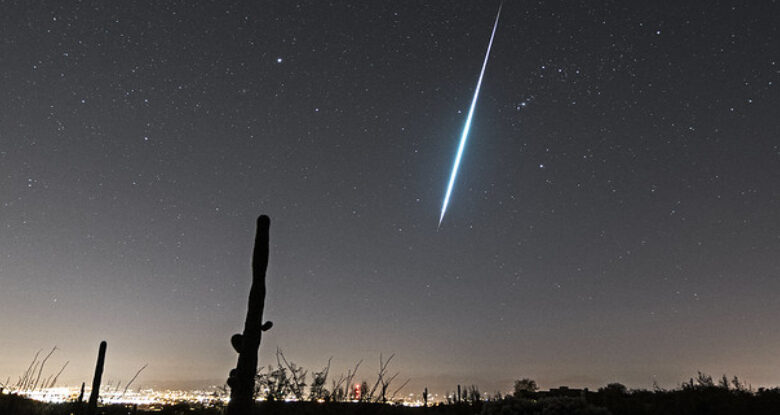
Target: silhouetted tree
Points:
(274, 385)
(317, 389)
(704, 380)
(723, 382)
(738, 386)
(383, 381)
(296, 379)
(614, 388)
(474, 397)
(525, 388)
(365, 394)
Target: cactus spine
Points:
(95, 392)
(242, 378)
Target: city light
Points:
(150, 397)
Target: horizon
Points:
(439, 384)
(614, 218)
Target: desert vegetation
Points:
(701, 394)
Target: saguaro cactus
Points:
(425, 397)
(95, 392)
(242, 378)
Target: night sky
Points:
(616, 216)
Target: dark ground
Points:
(685, 401)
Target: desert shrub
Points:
(544, 406)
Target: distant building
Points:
(565, 391)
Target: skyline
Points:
(616, 215)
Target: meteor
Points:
(465, 135)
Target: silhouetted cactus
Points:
(95, 392)
(242, 378)
(425, 398)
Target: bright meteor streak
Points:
(464, 136)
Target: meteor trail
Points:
(464, 136)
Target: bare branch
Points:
(399, 389)
(131, 380)
(29, 380)
(45, 382)
(350, 377)
(317, 389)
(23, 380)
(383, 364)
(54, 381)
(337, 386)
(40, 370)
(298, 375)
